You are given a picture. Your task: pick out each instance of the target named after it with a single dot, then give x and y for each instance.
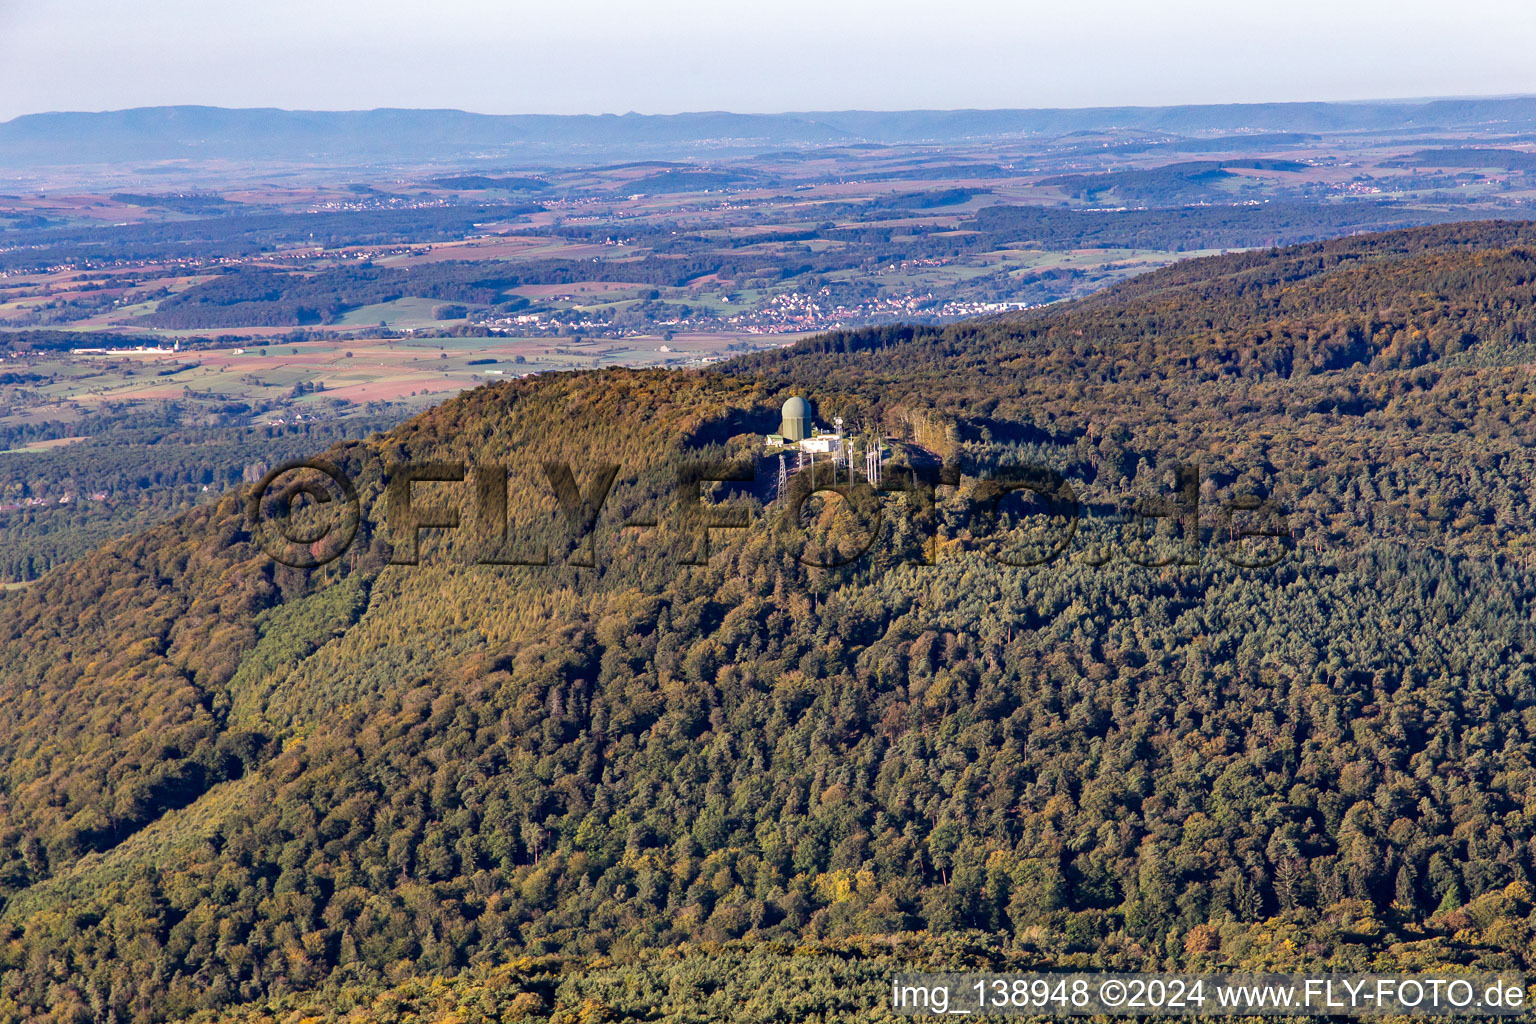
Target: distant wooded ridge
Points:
(396, 135)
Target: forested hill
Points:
(646, 789)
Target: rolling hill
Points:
(353, 137)
(750, 789)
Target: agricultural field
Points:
(168, 331)
(781, 243)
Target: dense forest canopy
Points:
(231, 787)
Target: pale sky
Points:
(666, 56)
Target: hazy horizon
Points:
(676, 56)
(1406, 100)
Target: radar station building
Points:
(798, 433)
(796, 420)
